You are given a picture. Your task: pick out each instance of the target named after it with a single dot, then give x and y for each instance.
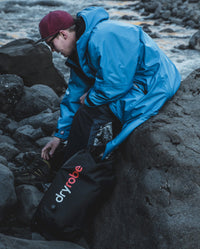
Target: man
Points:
(118, 76)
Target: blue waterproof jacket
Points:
(129, 70)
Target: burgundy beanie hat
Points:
(53, 22)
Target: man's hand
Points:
(50, 148)
(82, 98)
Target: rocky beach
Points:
(155, 203)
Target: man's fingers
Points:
(45, 156)
(45, 153)
(52, 151)
(50, 148)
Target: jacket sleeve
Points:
(70, 104)
(114, 57)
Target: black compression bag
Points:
(72, 199)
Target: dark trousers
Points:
(92, 128)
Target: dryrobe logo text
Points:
(68, 185)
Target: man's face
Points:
(63, 42)
(50, 43)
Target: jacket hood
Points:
(91, 16)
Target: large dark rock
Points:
(156, 202)
(32, 62)
(28, 198)
(9, 242)
(46, 120)
(35, 99)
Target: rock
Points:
(27, 134)
(47, 95)
(156, 200)
(157, 11)
(126, 17)
(146, 28)
(32, 62)
(43, 141)
(151, 7)
(8, 151)
(182, 46)
(28, 199)
(19, 159)
(166, 14)
(7, 190)
(3, 161)
(176, 21)
(26, 158)
(10, 242)
(192, 24)
(167, 30)
(4, 120)
(35, 100)
(194, 41)
(46, 121)
(194, 15)
(155, 35)
(172, 11)
(7, 139)
(180, 13)
(11, 127)
(11, 166)
(11, 90)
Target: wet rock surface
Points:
(32, 62)
(157, 196)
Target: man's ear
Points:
(64, 33)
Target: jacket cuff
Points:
(62, 134)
